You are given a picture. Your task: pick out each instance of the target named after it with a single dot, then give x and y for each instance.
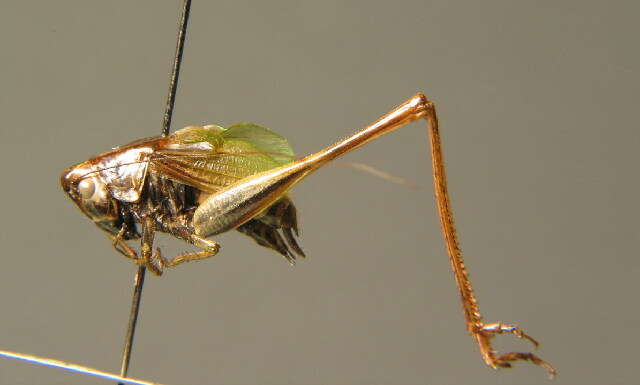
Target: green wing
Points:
(262, 139)
(212, 157)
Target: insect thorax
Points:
(169, 203)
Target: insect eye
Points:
(86, 188)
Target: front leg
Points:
(118, 243)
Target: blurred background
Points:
(538, 110)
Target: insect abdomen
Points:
(275, 229)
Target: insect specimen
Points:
(203, 181)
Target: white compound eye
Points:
(86, 188)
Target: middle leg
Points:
(209, 248)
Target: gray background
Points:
(538, 107)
